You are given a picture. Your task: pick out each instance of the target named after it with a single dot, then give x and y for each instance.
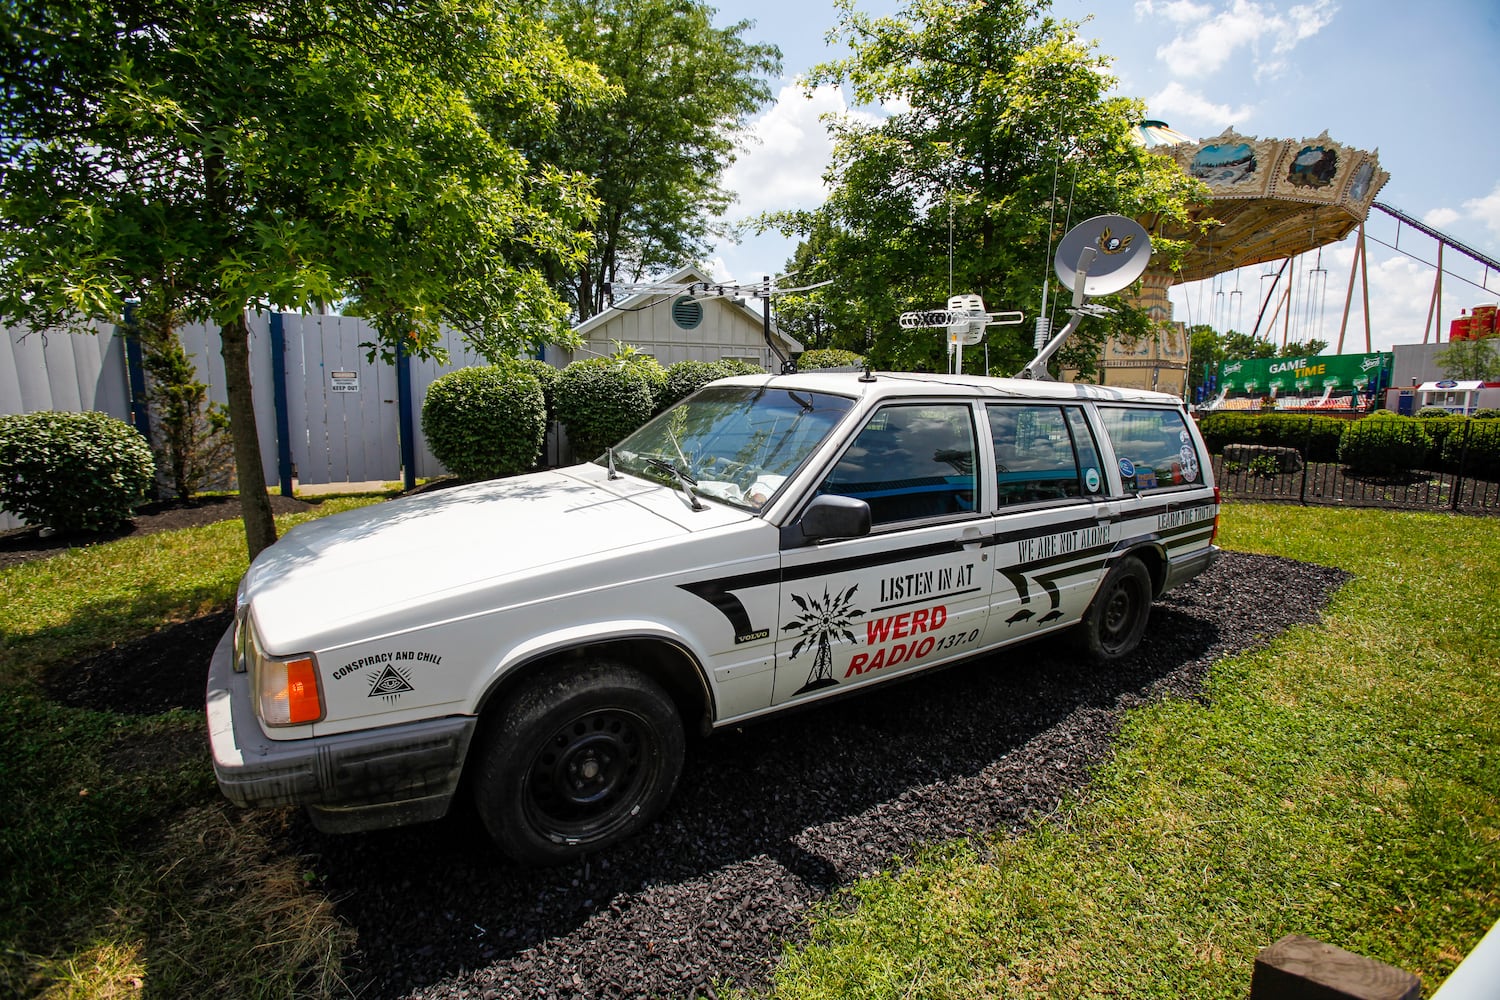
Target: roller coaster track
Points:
(1448, 241)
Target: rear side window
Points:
(1154, 448)
(910, 463)
(1037, 453)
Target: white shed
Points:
(674, 326)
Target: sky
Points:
(1419, 83)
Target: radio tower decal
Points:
(823, 622)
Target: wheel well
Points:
(667, 663)
(1155, 560)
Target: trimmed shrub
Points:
(485, 422)
(547, 375)
(1428, 412)
(1486, 413)
(828, 357)
(687, 377)
(73, 471)
(1481, 455)
(1439, 430)
(600, 401)
(1317, 437)
(1383, 444)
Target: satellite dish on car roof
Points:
(1102, 255)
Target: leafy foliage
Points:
(686, 377)
(545, 374)
(72, 471)
(223, 155)
(1000, 107)
(1432, 412)
(600, 401)
(1316, 437)
(190, 435)
(829, 357)
(1384, 443)
(1469, 360)
(658, 147)
(482, 423)
(1475, 450)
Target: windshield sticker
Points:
(1127, 468)
(1091, 479)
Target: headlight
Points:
(286, 687)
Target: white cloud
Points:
(1486, 210)
(787, 150)
(1206, 43)
(1190, 112)
(1180, 11)
(1440, 217)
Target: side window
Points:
(1034, 454)
(910, 462)
(1153, 447)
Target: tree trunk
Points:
(255, 504)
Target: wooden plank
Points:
(1301, 968)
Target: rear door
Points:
(1054, 521)
(916, 590)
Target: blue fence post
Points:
(407, 426)
(283, 417)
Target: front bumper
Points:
(365, 780)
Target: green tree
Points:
(229, 155)
(1005, 133)
(658, 149)
(1470, 359)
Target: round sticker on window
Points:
(1186, 454)
(1127, 468)
(1182, 436)
(1091, 480)
(1190, 468)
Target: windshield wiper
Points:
(684, 480)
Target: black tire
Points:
(577, 760)
(1115, 621)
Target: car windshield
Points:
(735, 444)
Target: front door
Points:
(913, 592)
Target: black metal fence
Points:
(1332, 484)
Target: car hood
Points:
(381, 568)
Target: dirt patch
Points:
(165, 670)
(25, 544)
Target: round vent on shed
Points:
(687, 312)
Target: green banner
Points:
(1305, 376)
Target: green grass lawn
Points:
(1339, 783)
(1342, 783)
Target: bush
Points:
(73, 471)
(828, 357)
(1480, 455)
(687, 377)
(547, 375)
(1316, 437)
(1428, 412)
(1487, 413)
(600, 401)
(1439, 430)
(1383, 444)
(485, 422)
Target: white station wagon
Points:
(545, 642)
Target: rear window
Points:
(1153, 447)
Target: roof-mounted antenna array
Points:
(1099, 256)
(965, 320)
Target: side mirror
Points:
(832, 516)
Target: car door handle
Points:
(971, 539)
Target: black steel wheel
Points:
(1115, 621)
(577, 761)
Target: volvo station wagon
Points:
(546, 643)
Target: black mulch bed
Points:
(768, 820)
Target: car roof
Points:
(878, 386)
